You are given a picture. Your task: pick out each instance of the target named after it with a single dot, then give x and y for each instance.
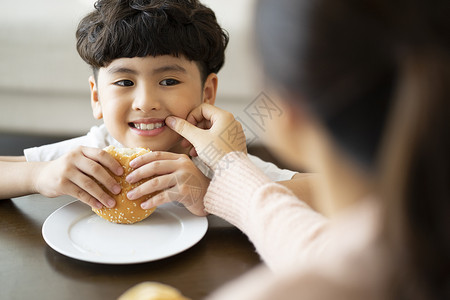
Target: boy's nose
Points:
(146, 101)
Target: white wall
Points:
(43, 82)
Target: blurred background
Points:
(44, 84)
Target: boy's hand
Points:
(74, 174)
(176, 176)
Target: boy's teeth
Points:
(150, 126)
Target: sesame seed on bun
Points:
(126, 211)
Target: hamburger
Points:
(152, 291)
(125, 211)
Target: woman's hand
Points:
(174, 175)
(222, 133)
(77, 174)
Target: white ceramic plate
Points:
(75, 231)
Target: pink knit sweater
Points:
(307, 255)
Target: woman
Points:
(364, 89)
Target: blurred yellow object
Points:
(152, 291)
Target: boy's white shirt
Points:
(99, 137)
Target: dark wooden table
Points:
(29, 269)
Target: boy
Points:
(150, 59)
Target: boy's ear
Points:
(95, 104)
(210, 89)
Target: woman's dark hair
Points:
(377, 74)
(139, 28)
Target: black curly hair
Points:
(139, 28)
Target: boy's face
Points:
(135, 95)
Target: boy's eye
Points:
(169, 82)
(124, 83)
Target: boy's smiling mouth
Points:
(150, 127)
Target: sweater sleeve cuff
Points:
(234, 183)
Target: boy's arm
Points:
(12, 158)
(77, 174)
(15, 177)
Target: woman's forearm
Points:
(303, 186)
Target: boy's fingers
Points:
(158, 183)
(78, 193)
(171, 195)
(153, 168)
(89, 186)
(103, 158)
(151, 157)
(97, 171)
(156, 200)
